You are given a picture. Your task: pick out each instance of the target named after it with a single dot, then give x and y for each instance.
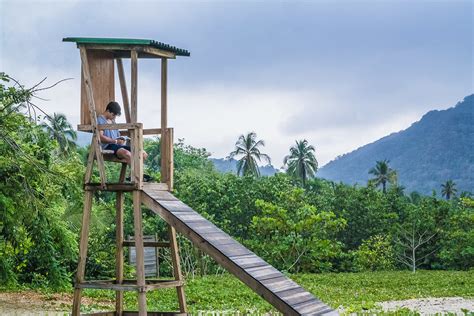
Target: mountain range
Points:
(437, 148)
(230, 165)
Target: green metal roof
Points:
(128, 41)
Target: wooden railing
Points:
(136, 131)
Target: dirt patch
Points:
(431, 306)
(34, 303)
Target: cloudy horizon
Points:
(339, 74)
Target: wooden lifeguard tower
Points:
(98, 56)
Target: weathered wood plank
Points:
(140, 266)
(147, 244)
(155, 187)
(162, 196)
(87, 81)
(313, 307)
(263, 272)
(295, 296)
(177, 268)
(81, 267)
(280, 283)
(123, 89)
(114, 187)
(119, 264)
(250, 261)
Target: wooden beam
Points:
(134, 79)
(140, 259)
(164, 148)
(92, 113)
(159, 53)
(177, 268)
(170, 158)
(156, 244)
(81, 266)
(90, 161)
(129, 285)
(119, 243)
(113, 187)
(123, 89)
(101, 127)
(146, 131)
(137, 158)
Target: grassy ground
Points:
(353, 291)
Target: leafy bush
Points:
(375, 254)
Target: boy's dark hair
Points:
(114, 107)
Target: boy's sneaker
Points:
(146, 178)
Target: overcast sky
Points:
(337, 73)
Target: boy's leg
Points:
(123, 153)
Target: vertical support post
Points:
(169, 158)
(157, 257)
(119, 243)
(123, 89)
(137, 134)
(134, 79)
(177, 268)
(164, 121)
(119, 252)
(92, 113)
(137, 156)
(140, 260)
(90, 162)
(81, 267)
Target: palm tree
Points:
(61, 130)
(247, 146)
(301, 162)
(383, 174)
(448, 189)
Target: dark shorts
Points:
(116, 147)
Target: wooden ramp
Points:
(281, 292)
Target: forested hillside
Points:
(437, 148)
(230, 166)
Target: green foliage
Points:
(294, 236)
(33, 198)
(457, 240)
(247, 146)
(383, 174)
(321, 226)
(60, 130)
(301, 162)
(448, 189)
(355, 292)
(375, 254)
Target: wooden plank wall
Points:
(101, 67)
(151, 257)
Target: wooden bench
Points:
(110, 156)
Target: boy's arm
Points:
(106, 140)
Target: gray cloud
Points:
(339, 74)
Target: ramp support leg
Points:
(140, 261)
(81, 267)
(177, 269)
(119, 243)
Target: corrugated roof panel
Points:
(128, 41)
